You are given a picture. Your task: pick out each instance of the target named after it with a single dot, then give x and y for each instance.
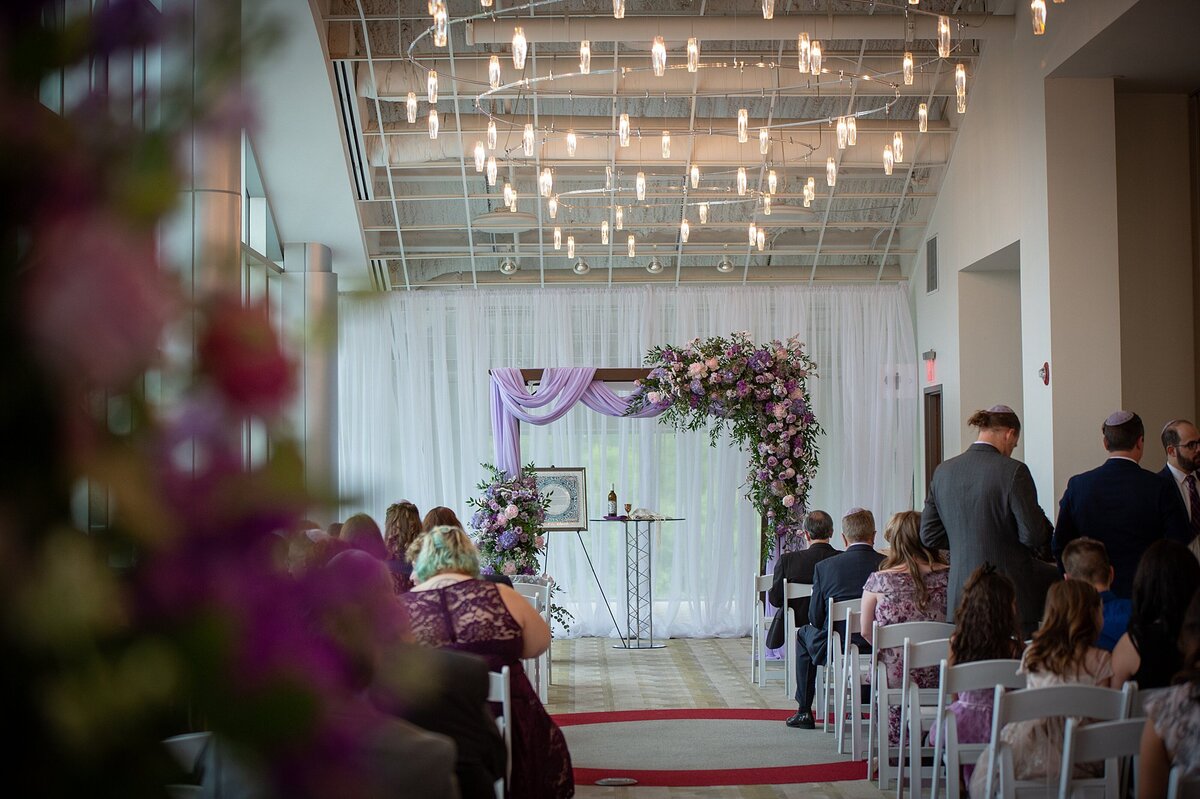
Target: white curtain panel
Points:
(414, 424)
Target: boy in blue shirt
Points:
(1086, 559)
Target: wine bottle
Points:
(612, 500)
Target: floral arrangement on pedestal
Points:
(508, 530)
(759, 393)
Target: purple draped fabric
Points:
(562, 386)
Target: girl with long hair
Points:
(1062, 652)
(401, 526)
(909, 586)
(1172, 734)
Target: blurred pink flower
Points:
(96, 300)
(240, 352)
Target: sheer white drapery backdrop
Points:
(414, 422)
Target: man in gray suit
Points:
(982, 506)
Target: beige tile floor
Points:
(589, 675)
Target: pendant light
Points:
(411, 106)
(552, 206)
(640, 186)
(766, 205)
(480, 156)
(960, 87)
(814, 58)
(760, 239)
(491, 170)
(898, 146)
(889, 159)
(508, 194)
(623, 130)
(841, 133)
(618, 9)
(741, 181)
(431, 86)
(620, 223)
(753, 234)
(604, 232)
(527, 139)
(439, 25)
(557, 238)
(666, 144)
(485, 3)
(685, 230)
(631, 246)
(585, 57)
(704, 213)
(943, 37)
(923, 117)
(743, 120)
(571, 143)
(433, 123)
(695, 176)
(519, 48)
(491, 134)
(658, 56)
(571, 247)
(907, 68)
(830, 172)
(494, 72)
(1037, 10)
(772, 181)
(608, 176)
(768, 9)
(546, 182)
(693, 54)
(852, 130)
(764, 141)
(803, 49)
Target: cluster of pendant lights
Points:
(810, 61)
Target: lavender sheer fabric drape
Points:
(562, 386)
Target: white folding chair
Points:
(538, 596)
(187, 748)
(981, 675)
(883, 697)
(1085, 701)
(1181, 786)
(758, 635)
(500, 690)
(1140, 698)
(1114, 742)
(918, 708)
(792, 591)
(828, 675)
(851, 677)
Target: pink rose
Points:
(712, 364)
(511, 512)
(540, 542)
(655, 397)
(789, 501)
(696, 369)
(510, 568)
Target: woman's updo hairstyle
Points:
(997, 417)
(443, 549)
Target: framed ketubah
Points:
(566, 489)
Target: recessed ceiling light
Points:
(725, 265)
(655, 266)
(581, 267)
(509, 266)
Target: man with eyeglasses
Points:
(1120, 504)
(1181, 440)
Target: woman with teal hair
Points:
(451, 608)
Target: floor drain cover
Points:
(616, 781)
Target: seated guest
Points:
(909, 586)
(1172, 734)
(450, 607)
(441, 516)
(361, 532)
(1061, 653)
(1086, 559)
(401, 527)
(1149, 653)
(797, 567)
(987, 628)
(839, 578)
(334, 530)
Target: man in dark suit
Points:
(982, 505)
(1181, 440)
(1120, 504)
(797, 567)
(840, 577)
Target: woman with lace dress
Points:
(1062, 653)
(450, 608)
(909, 586)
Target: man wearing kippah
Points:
(1181, 440)
(982, 505)
(1120, 504)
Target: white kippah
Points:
(1117, 418)
(1001, 409)
(855, 510)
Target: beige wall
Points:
(989, 332)
(1155, 233)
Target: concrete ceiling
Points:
(421, 203)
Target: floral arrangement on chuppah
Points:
(759, 393)
(508, 532)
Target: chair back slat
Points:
(1086, 701)
(1104, 739)
(924, 654)
(982, 675)
(893, 635)
(762, 582)
(796, 590)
